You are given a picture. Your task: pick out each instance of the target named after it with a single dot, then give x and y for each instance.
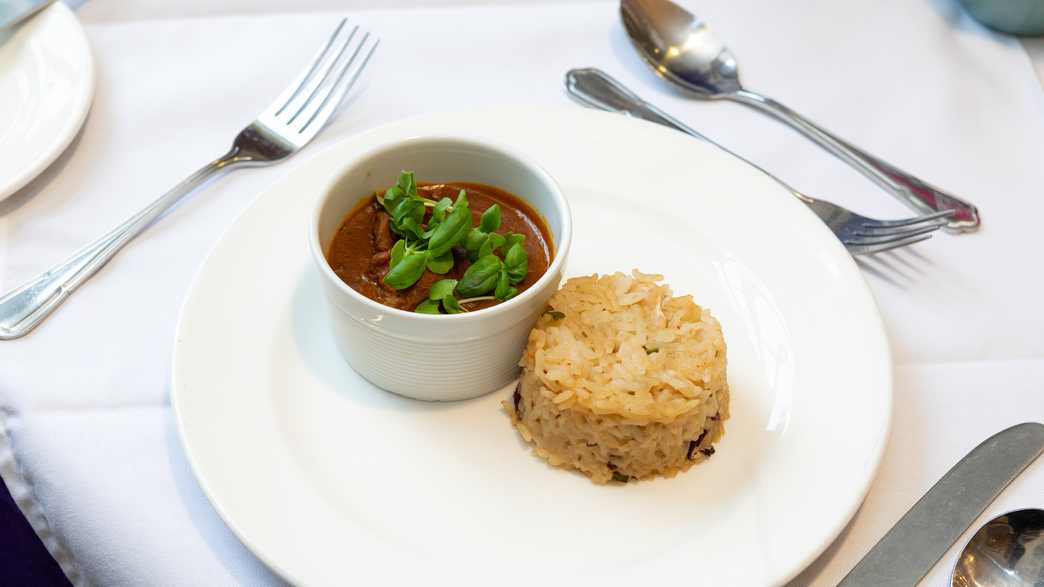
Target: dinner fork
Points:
(284, 128)
(861, 235)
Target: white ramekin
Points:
(446, 357)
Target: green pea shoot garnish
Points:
(498, 261)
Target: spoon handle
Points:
(918, 194)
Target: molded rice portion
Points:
(623, 378)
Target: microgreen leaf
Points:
(452, 230)
(473, 242)
(417, 210)
(397, 252)
(481, 277)
(428, 307)
(553, 313)
(402, 208)
(428, 246)
(503, 285)
(407, 183)
(493, 242)
(408, 270)
(406, 217)
(513, 238)
(451, 305)
(490, 220)
(442, 288)
(517, 262)
(442, 264)
(410, 228)
(438, 213)
(620, 477)
(391, 197)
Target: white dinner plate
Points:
(330, 480)
(46, 85)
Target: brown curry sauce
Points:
(360, 249)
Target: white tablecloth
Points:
(85, 397)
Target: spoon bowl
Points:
(1008, 551)
(681, 47)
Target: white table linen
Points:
(86, 395)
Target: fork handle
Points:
(596, 89)
(23, 308)
(918, 194)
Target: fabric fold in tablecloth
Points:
(916, 83)
(21, 491)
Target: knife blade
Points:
(919, 539)
(13, 12)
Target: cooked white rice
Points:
(621, 380)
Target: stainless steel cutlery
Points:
(861, 235)
(281, 130)
(683, 50)
(912, 547)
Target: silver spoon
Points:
(682, 49)
(1008, 551)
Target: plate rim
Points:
(794, 570)
(82, 103)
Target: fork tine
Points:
(330, 68)
(295, 87)
(873, 229)
(942, 214)
(341, 86)
(869, 249)
(881, 234)
(888, 238)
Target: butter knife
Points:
(919, 539)
(13, 12)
